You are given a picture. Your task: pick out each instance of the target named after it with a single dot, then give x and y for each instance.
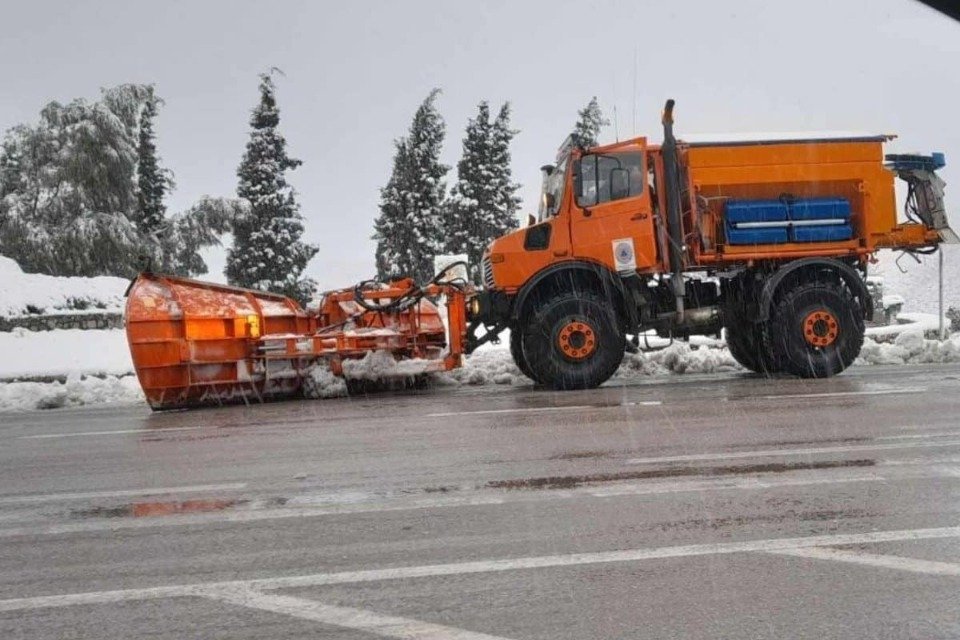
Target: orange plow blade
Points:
(197, 343)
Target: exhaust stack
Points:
(674, 226)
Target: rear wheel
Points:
(573, 341)
(816, 330)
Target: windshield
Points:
(552, 192)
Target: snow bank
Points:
(678, 358)
(906, 323)
(61, 352)
(321, 383)
(909, 347)
(493, 365)
(76, 391)
(25, 293)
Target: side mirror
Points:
(531, 220)
(577, 180)
(619, 184)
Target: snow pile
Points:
(380, 365)
(678, 358)
(322, 383)
(76, 391)
(910, 347)
(492, 365)
(26, 293)
(63, 351)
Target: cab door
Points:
(611, 220)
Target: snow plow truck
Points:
(767, 239)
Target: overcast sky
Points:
(356, 71)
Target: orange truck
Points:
(768, 239)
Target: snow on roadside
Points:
(24, 293)
(61, 352)
(906, 322)
(76, 391)
(322, 383)
(909, 347)
(105, 353)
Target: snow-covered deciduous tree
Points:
(409, 230)
(69, 188)
(183, 235)
(267, 252)
(69, 193)
(590, 121)
(153, 182)
(483, 203)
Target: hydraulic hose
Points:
(410, 297)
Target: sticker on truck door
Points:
(624, 257)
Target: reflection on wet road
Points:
(700, 506)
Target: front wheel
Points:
(573, 341)
(516, 351)
(816, 330)
(745, 342)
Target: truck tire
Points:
(747, 346)
(516, 351)
(816, 330)
(573, 341)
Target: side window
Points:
(605, 178)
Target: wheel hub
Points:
(820, 328)
(577, 340)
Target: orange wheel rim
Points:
(577, 340)
(820, 328)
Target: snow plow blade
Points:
(198, 344)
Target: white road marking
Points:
(82, 434)
(921, 436)
(63, 497)
(497, 411)
(477, 567)
(772, 453)
(875, 560)
(841, 394)
(378, 624)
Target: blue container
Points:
(770, 235)
(822, 233)
(738, 211)
(820, 209)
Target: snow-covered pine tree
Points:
(153, 182)
(507, 200)
(483, 203)
(590, 121)
(409, 229)
(267, 252)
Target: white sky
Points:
(355, 73)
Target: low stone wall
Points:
(92, 320)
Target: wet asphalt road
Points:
(693, 507)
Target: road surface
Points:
(722, 506)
